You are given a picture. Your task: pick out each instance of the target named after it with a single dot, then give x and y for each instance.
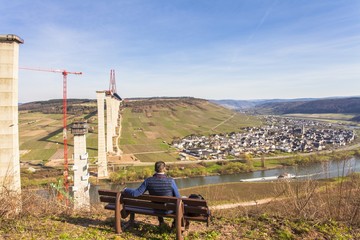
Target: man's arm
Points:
(136, 192)
(175, 189)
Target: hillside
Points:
(340, 105)
(244, 105)
(41, 134)
(148, 125)
(336, 105)
(54, 106)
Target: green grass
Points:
(41, 135)
(153, 157)
(233, 192)
(39, 154)
(92, 144)
(333, 116)
(327, 117)
(100, 226)
(269, 163)
(146, 132)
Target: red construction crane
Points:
(66, 163)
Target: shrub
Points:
(10, 203)
(235, 167)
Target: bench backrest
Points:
(151, 202)
(192, 207)
(173, 207)
(108, 196)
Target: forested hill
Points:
(55, 106)
(302, 105)
(334, 105)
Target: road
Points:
(352, 147)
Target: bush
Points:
(235, 167)
(118, 177)
(10, 204)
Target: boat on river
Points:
(271, 178)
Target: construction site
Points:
(75, 163)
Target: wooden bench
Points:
(182, 210)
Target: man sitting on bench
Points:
(159, 185)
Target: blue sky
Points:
(241, 49)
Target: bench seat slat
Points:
(110, 207)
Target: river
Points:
(323, 170)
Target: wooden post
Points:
(179, 218)
(118, 208)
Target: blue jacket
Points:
(158, 185)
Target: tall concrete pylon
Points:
(109, 123)
(81, 167)
(102, 160)
(9, 127)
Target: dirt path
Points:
(119, 152)
(242, 204)
(223, 122)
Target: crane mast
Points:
(66, 161)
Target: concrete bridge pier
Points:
(9, 122)
(81, 167)
(109, 124)
(102, 160)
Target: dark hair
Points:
(159, 166)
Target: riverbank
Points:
(125, 174)
(130, 174)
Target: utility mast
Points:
(66, 162)
(112, 86)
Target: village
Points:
(279, 134)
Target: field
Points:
(233, 192)
(41, 136)
(328, 117)
(148, 127)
